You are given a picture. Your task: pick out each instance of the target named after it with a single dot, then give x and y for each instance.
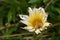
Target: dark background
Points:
(10, 22)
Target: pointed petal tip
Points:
(31, 30)
(20, 15)
(42, 9)
(22, 27)
(37, 31)
(29, 8)
(48, 24)
(23, 17)
(25, 22)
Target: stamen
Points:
(38, 26)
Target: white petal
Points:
(47, 24)
(45, 14)
(28, 28)
(24, 17)
(30, 10)
(42, 10)
(25, 22)
(41, 29)
(45, 17)
(31, 30)
(37, 31)
(35, 10)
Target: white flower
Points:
(36, 21)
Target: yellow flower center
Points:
(36, 20)
(37, 23)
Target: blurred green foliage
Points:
(10, 22)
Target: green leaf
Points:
(58, 18)
(58, 10)
(10, 2)
(45, 1)
(33, 1)
(1, 27)
(9, 16)
(21, 38)
(1, 21)
(12, 14)
(8, 32)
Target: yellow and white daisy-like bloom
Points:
(36, 21)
